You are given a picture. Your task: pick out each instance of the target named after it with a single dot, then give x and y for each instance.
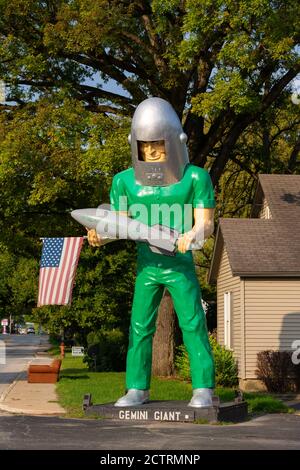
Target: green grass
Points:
(224, 393)
(201, 421)
(259, 403)
(76, 381)
(54, 350)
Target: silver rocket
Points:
(112, 225)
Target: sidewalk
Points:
(21, 397)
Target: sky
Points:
(114, 87)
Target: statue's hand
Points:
(93, 238)
(185, 240)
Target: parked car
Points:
(30, 330)
(22, 330)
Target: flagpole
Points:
(84, 237)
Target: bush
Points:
(182, 363)
(277, 371)
(265, 404)
(226, 371)
(296, 376)
(225, 364)
(106, 351)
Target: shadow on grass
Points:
(74, 377)
(72, 371)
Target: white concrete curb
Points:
(21, 411)
(11, 386)
(13, 410)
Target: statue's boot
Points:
(133, 397)
(201, 397)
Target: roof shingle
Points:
(264, 247)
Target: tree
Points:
(7, 263)
(102, 294)
(55, 157)
(222, 65)
(53, 160)
(270, 145)
(18, 286)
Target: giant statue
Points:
(162, 189)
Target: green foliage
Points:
(106, 350)
(202, 262)
(18, 286)
(278, 372)
(222, 64)
(230, 89)
(225, 393)
(106, 387)
(102, 293)
(225, 363)
(269, 146)
(55, 157)
(226, 372)
(225, 66)
(265, 404)
(182, 363)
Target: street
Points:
(19, 349)
(269, 432)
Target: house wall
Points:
(227, 282)
(265, 212)
(272, 317)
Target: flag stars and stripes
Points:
(51, 254)
(58, 269)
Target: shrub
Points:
(226, 371)
(106, 351)
(225, 364)
(296, 376)
(277, 371)
(182, 363)
(266, 404)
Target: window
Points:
(227, 319)
(152, 151)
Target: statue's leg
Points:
(184, 288)
(147, 296)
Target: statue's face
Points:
(152, 151)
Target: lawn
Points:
(76, 380)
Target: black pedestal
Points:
(170, 411)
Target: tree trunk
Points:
(163, 341)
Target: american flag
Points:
(58, 269)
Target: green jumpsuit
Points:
(155, 272)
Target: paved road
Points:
(20, 349)
(27, 432)
(269, 432)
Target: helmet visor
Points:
(152, 151)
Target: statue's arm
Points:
(94, 238)
(203, 227)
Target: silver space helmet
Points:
(155, 120)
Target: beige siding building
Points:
(256, 266)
